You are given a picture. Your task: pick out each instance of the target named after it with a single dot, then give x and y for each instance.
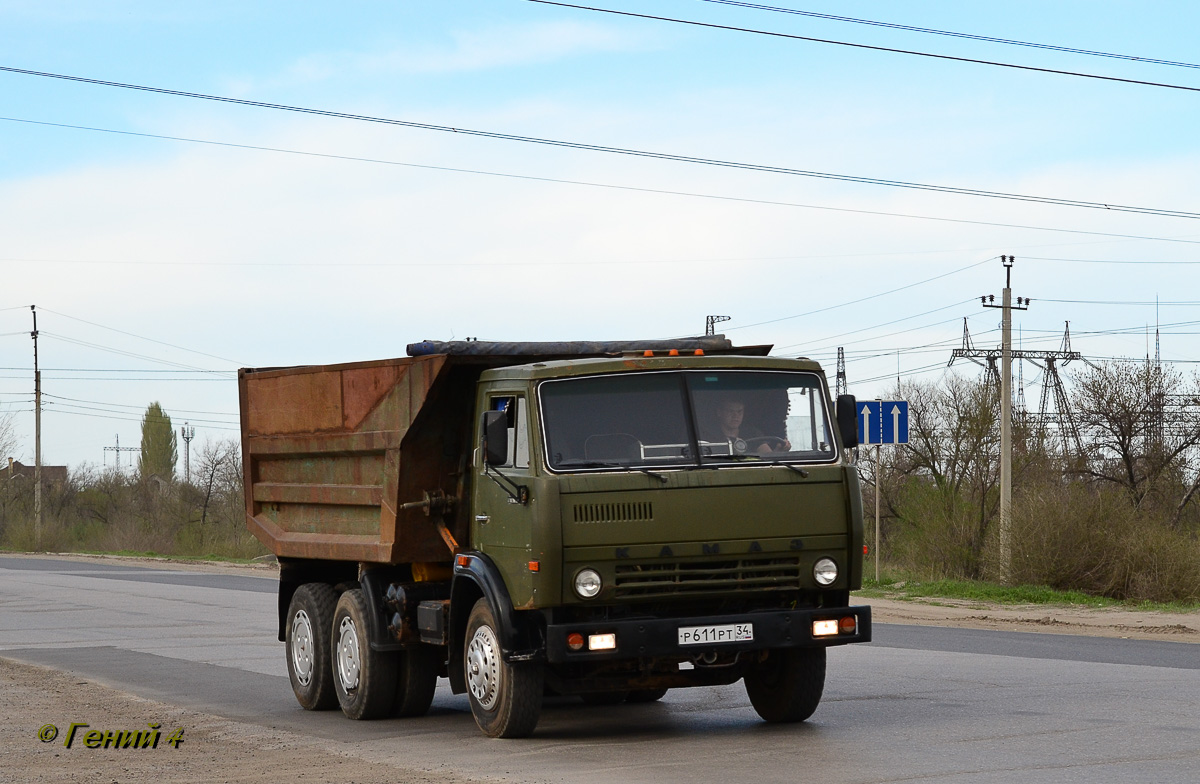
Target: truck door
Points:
(501, 525)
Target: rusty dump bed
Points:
(322, 449)
(332, 453)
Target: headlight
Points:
(824, 572)
(587, 583)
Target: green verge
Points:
(149, 554)
(994, 593)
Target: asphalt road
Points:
(919, 704)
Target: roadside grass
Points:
(994, 593)
(150, 554)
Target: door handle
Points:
(482, 519)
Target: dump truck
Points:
(603, 519)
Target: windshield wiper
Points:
(605, 464)
(759, 459)
(789, 466)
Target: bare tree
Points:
(1141, 426)
(8, 438)
(220, 472)
(942, 495)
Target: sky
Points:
(168, 240)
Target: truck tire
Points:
(506, 698)
(364, 679)
(416, 679)
(310, 617)
(787, 685)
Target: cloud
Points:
(502, 46)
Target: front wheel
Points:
(506, 698)
(786, 686)
(365, 679)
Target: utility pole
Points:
(37, 437)
(710, 324)
(188, 434)
(1006, 413)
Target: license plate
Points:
(708, 635)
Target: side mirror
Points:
(495, 438)
(847, 419)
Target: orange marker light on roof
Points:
(699, 352)
(647, 353)
(673, 352)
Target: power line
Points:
(139, 407)
(585, 183)
(764, 168)
(861, 299)
(912, 372)
(1106, 261)
(885, 324)
(128, 419)
(968, 36)
(141, 337)
(892, 50)
(118, 351)
(227, 373)
(63, 408)
(1120, 302)
(225, 380)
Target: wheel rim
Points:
(348, 655)
(302, 647)
(483, 667)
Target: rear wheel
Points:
(364, 679)
(310, 617)
(506, 698)
(787, 685)
(417, 670)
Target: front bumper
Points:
(659, 637)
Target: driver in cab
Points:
(728, 426)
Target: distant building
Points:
(52, 476)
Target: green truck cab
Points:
(609, 520)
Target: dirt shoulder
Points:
(38, 706)
(1086, 621)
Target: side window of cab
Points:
(517, 418)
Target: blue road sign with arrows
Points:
(883, 421)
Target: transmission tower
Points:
(711, 323)
(118, 449)
(840, 384)
(1156, 392)
(1052, 385)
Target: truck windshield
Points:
(658, 420)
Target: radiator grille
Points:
(693, 577)
(614, 513)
